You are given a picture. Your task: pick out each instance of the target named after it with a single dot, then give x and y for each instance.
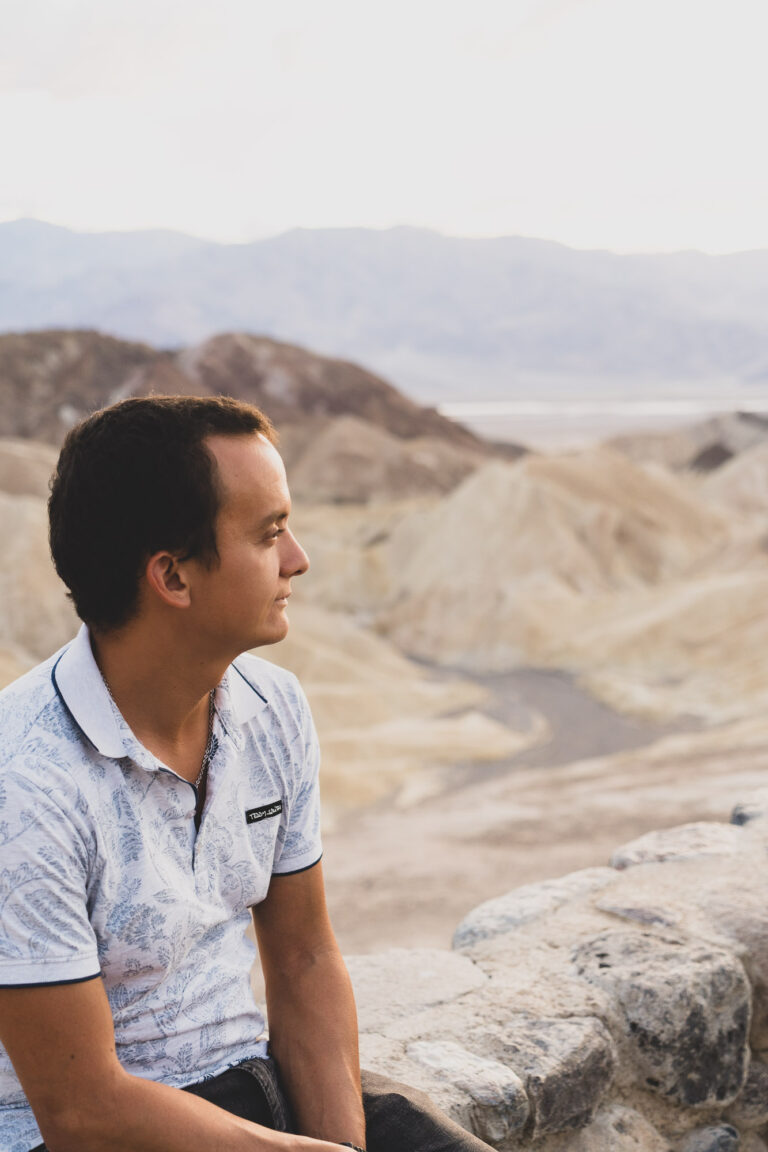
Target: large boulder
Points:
(566, 1065)
(686, 1011)
(565, 1034)
(479, 1093)
(717, 896)
(499, 1104)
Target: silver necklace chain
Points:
(208, 754)
(209, 745)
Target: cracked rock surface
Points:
(619, 1009)
(686, 1007)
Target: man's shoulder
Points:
(25, 702)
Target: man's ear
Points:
(166, 579)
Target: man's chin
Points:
(272, 635)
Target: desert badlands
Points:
(517, 661)
(510, 677)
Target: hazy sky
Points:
(627, 124)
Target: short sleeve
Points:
(299, 843)
(45, 933)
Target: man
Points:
(157, 789)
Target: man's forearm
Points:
(313, 1037)
(135, 1115)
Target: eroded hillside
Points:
(340, 425)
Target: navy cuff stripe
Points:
(296, 871)
(53, 983)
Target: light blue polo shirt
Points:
(102, 871)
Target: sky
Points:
(633, 125)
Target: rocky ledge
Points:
(618, 1009)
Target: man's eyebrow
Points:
(273, 518)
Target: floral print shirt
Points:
(103, 874)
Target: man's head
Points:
(148, 492)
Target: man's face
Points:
(240, 602)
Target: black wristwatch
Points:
(354, 1147)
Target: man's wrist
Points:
(354, 1147)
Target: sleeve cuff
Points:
(297, 864)
(30, 973)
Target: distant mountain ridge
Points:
(441, 316)
(48, 380)
(347, 434)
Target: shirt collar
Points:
(247, 699)
(81, 687)
(238, 700)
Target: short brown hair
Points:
(134, 479)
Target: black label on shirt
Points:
(253, 815)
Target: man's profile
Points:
(158, 793)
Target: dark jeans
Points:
(397, 1118)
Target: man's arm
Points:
(311, 1008)
(61, 1042)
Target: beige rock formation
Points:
(35, 616)
(741, 485)
(717, 437)
(650, 586)
(350, 459)
(26, 467)
(349, 570)
(518, 554)
(641, 582)
(694, 648)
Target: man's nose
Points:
(295, 559)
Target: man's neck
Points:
(161, 686)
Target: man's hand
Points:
(311, 1008)
(61, 1042)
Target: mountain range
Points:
(442, 317)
